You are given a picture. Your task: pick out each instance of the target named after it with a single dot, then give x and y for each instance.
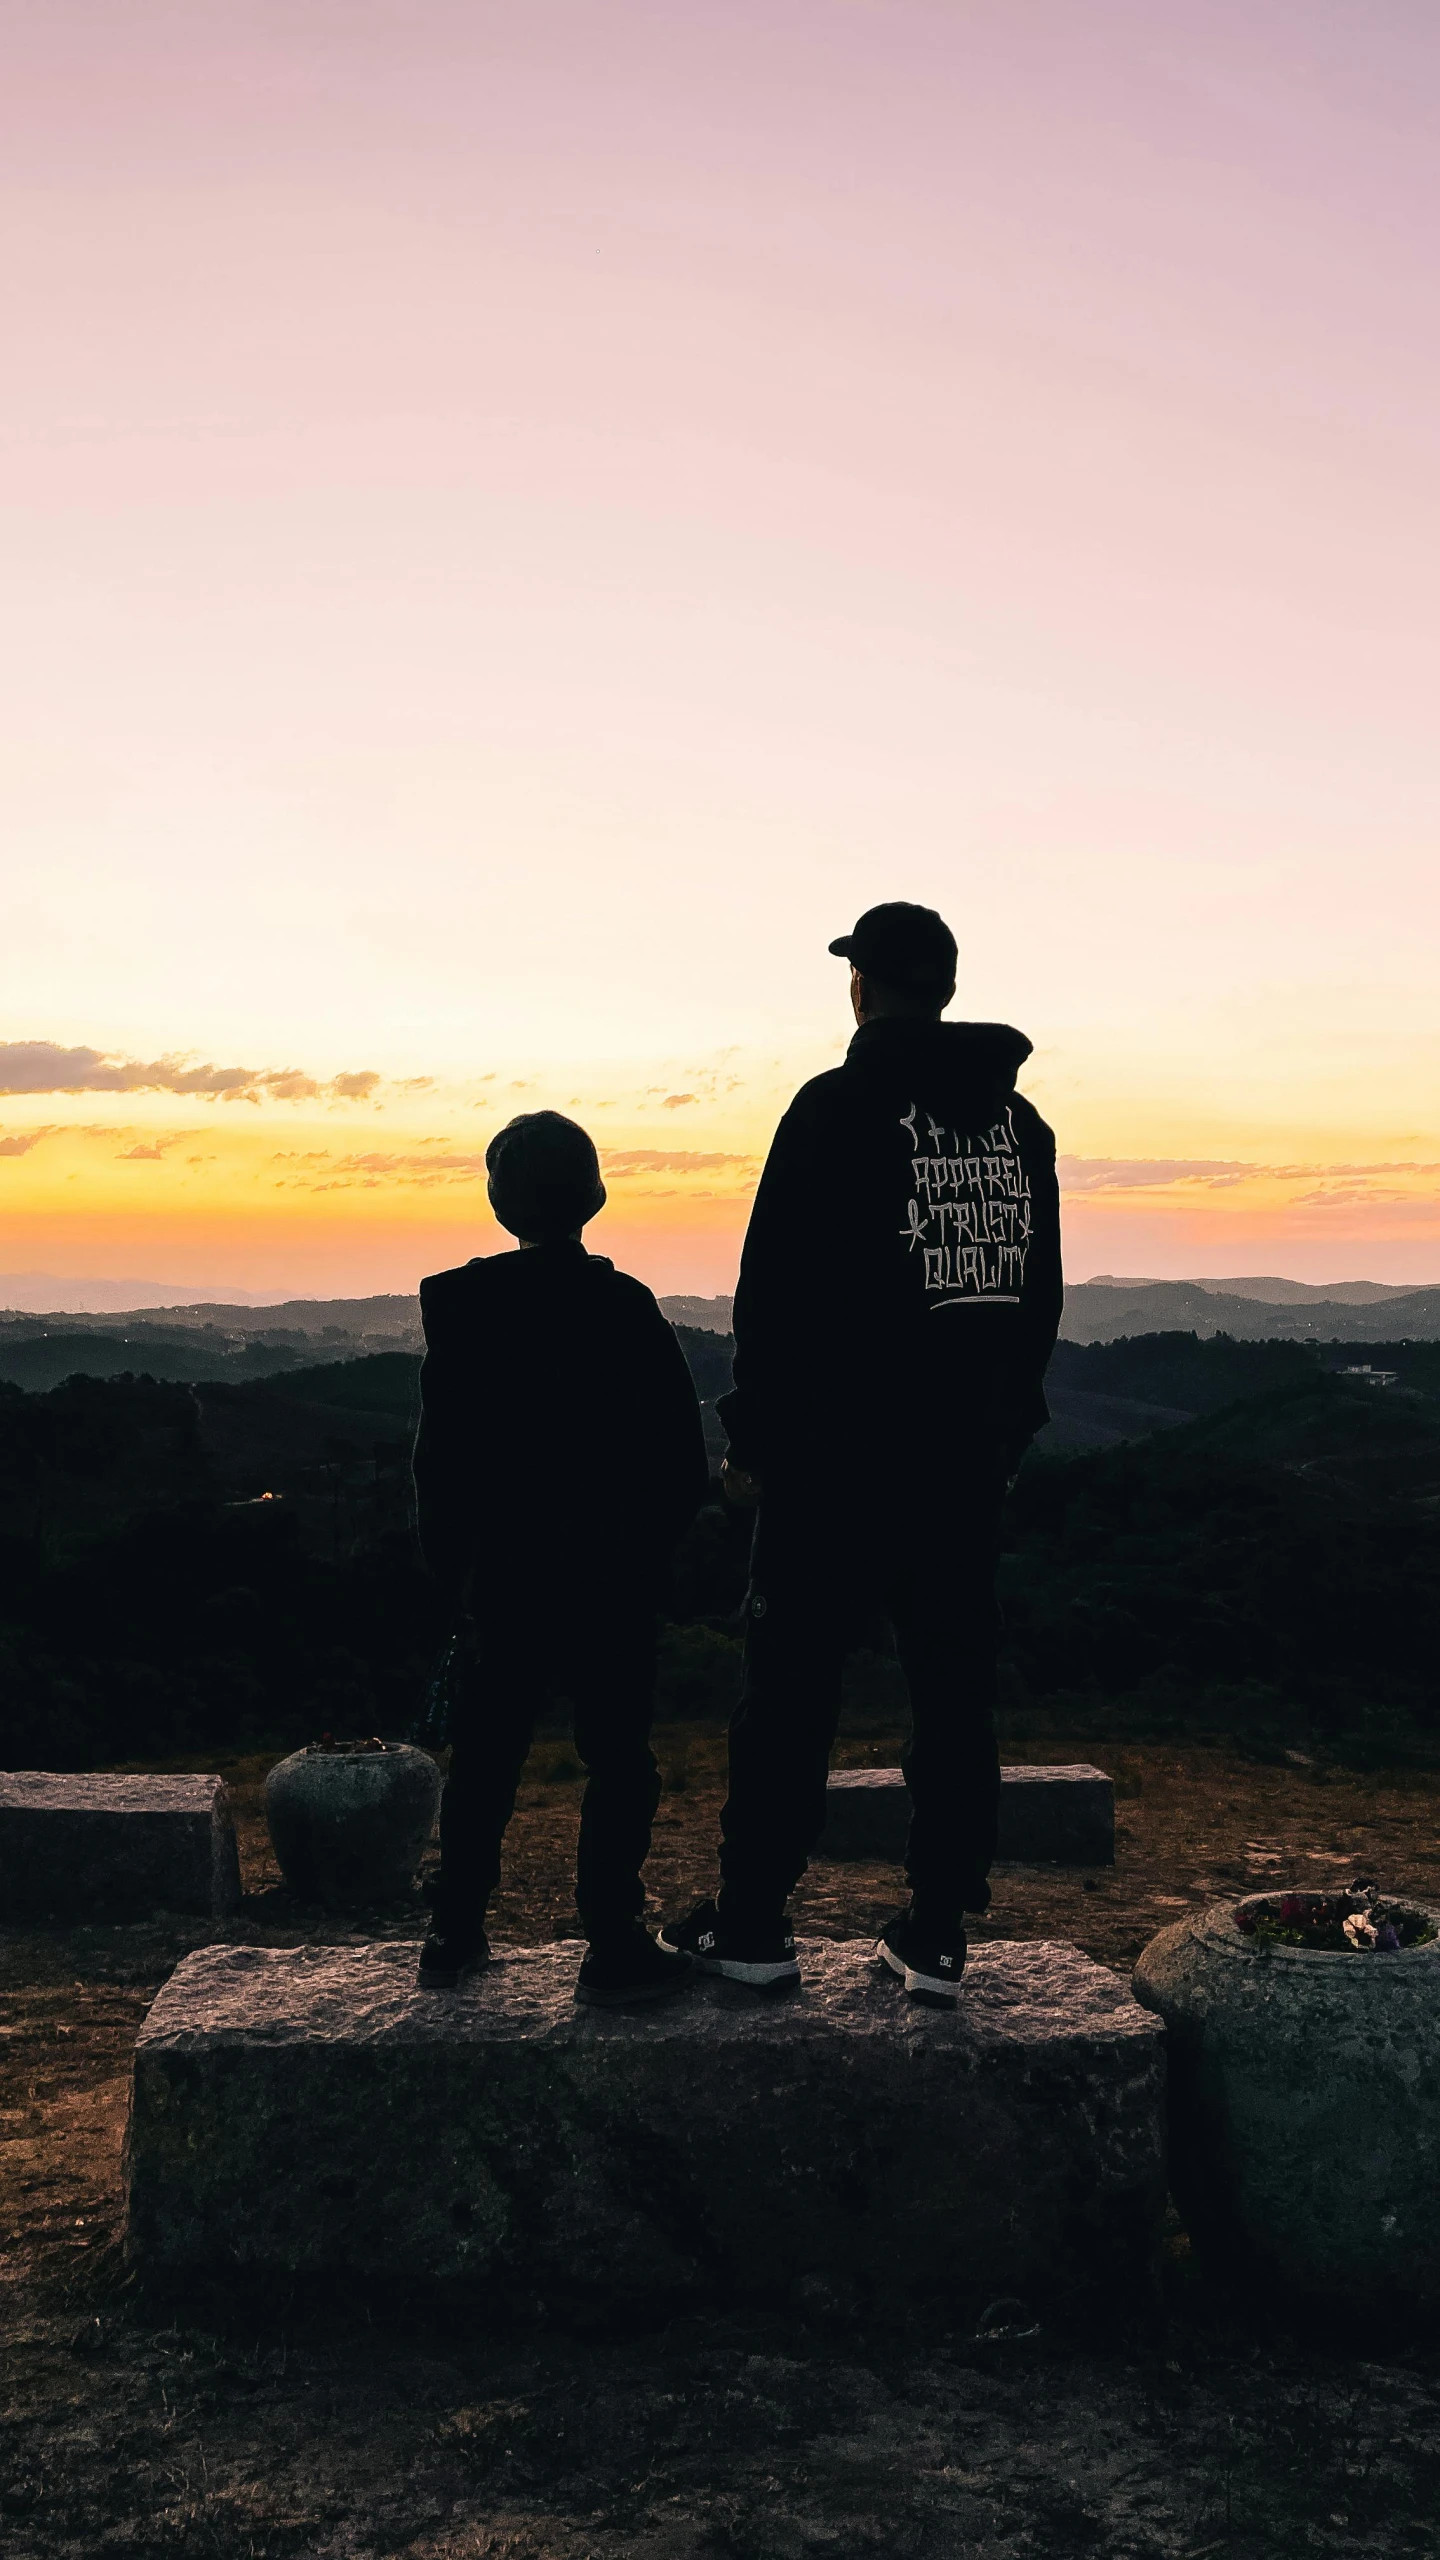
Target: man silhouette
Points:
(898, 1300)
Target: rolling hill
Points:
(1105, 1310)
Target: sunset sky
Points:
(521, 517)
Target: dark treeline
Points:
(42, 1360)
(1271, 1572)
(153, 1598)
(186, 1568)
(1203, 1373)
(185, 1565)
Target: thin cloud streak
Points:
(43, 1066)
(1101, 1174)
(373, 1167)
(619, 1162)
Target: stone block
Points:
(93, 1842)
(1062, 1815)
(309, 2112)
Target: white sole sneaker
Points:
(770, 1976)
(756, 1977)
(937, 1989)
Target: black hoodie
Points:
(900, 1288)
(521, 1349)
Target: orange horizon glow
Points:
(521, 522)
(363, 1199)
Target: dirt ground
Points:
(1209, 2427)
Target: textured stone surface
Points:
(311, 2110)
(1304, 2106)
(1063, 1814)
(350, 1826)
(97, 1842)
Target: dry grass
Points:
(1193, 1824)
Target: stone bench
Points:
(1062, 1815)
(95, 1842)
(310, 2112)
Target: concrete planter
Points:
(350, 1825)
(1304, 2107)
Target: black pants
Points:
(924, 1550)
(534, 1651)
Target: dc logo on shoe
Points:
(707, 1939)
(947, 1964)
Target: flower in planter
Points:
(1357, 1922)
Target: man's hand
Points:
(737, 1486)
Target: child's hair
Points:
(544, 1176)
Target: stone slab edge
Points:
(1031, 1990)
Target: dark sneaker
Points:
(763, 1959)
(928, 1964)
(623, 1972)
(449, 1954)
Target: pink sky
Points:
(521, 520)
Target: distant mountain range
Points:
(1273, 1292)
(380, 1323)
(1104, 1310)
(292, 1319)
(49, 1293)
(230, 1337)
(707, 1315)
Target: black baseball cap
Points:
(903, 946)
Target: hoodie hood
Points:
(900, 1287)
(981, 1057)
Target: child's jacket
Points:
(560, 1441)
